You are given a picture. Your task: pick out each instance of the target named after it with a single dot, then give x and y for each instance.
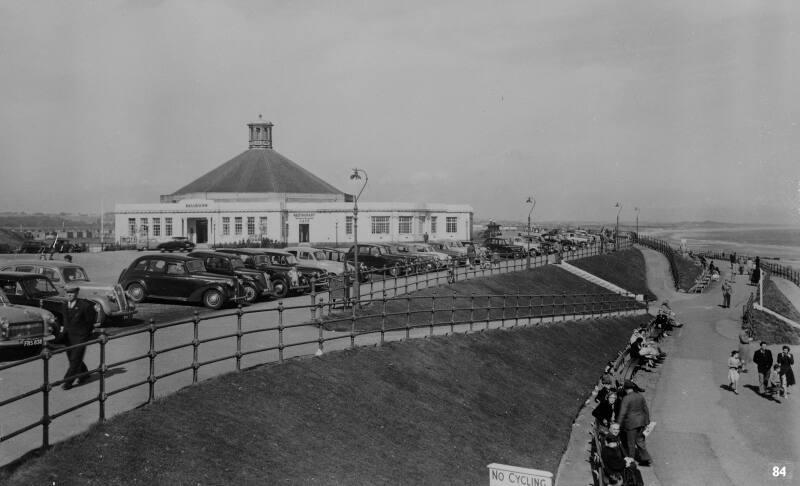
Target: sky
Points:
(687, 110)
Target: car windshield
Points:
(319, 255)
(39, 287)
(237, 263)
(260, 259)
(75, 274)
(195, 266)
(455, 244)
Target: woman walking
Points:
(734, 363)
(785, 361)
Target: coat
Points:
(763, 359)
(786, 361)
(633, 412)
(79, 321)
(604, 412)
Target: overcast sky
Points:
(688, 110)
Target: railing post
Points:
(488, 310)
(313, 295)
(516, 310)
(503, 320)
(280, 330)
(453, 314)
(408, 317)
(239, 314)
(151, 379)
(46, 388)
(383, 318)
(196, 347)
(433, 313)
(320, 340)
(102, 393)
(471, 310)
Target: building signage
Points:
(304, 217)
(502, 475)
(195, 203)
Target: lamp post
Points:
(616, 229)
(532, 201)
(356, 175)
(637, 223)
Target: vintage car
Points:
(532, 245)
(111, 302)
(181, 278)
(429, 259)
(33, 246)
(23, 326)
(382, 258)
(317, 258)
(277, 263)
(177, 243)
(504, 248)
(457, 250)
(256, 283)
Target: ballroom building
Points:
(261, 194)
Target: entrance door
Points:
(304, 233)
(201, 225)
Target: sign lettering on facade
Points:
(503, 475)
(304, 217)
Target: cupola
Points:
(260, 134)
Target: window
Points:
(452, 226)
(143, 226)
(421, 224)
(226, 225)
(262, 225)
(176, 268)
(348, 225)
(156, 226)
(380, 225)
(237, 226)
(404, 227)
(168, 226)
(156, 266)
(251, 225)
(433, 225)
(131, 226)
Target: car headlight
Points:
(111, 297)
(3, 327)
(49, 318)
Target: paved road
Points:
(706, 434)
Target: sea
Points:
(779, 243)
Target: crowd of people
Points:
(775, 376)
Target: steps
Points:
(599, 281)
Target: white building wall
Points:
(327, 221)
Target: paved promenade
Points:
(706, 434)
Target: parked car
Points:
(277, 263)
(33, 246)
(532, 245)
(380, 257)
(177, 243)
(504, 248)
(23, 326)
(111, 302)
(457, 250)
(316, 258)
(430, 258)
(181, 278)
(256, 283)
(339, 256)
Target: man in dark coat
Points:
(79, 321)
(634, 416)
(763, 361)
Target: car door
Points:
(157, 279)
(176, 280)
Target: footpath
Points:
(705, 434)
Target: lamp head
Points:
(529, 200)
(355, 175)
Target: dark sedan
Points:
(177, 243)
(175, 277)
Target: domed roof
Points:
(259, 171)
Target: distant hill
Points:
(10, 238)
(42, 220)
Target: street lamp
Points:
(616, 229)
(356, 175)
(637, 223)
(532, 201)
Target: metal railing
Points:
(370, 326)
(667, 250)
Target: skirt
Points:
(733, 375)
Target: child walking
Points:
(734, 364)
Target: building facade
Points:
(260, 194)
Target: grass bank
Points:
(431, 411)
(775, 301)
(625, 268)
(557, 292)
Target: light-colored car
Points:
(317, 258)
(454, 248)
(111, 302)
(23, 326)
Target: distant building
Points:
(261, 194)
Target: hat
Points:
(72, 289)
(630, 384)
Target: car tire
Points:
(136, 292)
(250, 293)
(213, 299)
(280, 288)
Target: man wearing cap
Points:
(634, 416)
(79, 321)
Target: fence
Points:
(268, 333)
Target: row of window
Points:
(380, 225)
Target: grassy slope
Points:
(775, 301)
(427, 411)
(626, 269)
(688, 271)
(542, 281)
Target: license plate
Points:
(32, 342)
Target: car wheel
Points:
(250, 293)
(280, 288)
(136, 292)
(213, 299)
